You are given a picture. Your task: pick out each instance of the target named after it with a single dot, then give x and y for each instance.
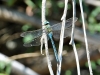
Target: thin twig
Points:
(73, 25)
(25, 55)
(72, 38)
(93, 2)
(76, 57)
(17, 67)
(85, 37)
(36, 54)
(44, 38)
(61, 38)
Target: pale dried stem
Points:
(72, 38)
(44, 38)
(85, 37)
(61, 38)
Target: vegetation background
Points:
(17, 16)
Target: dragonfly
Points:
(51, 31)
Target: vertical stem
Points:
(85, 37)
(76, 57)
(73, 24)
(44, 38)
(62, 38)
(72, 38)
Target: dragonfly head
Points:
(46, 23)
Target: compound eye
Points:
(46, 23)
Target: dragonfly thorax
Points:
(48, 28)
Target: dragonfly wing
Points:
(56, 34)
(57, 28)
(33, 34)
(67, 25)
(34, 42)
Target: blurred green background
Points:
(17, 16)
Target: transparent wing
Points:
(34, 42)
(34, 34)
(56, 34)
(57, 27)
(32, 37)
(68, 24)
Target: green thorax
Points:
(48, 28)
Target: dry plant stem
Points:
(22, 70)
(25, 55)
(93, 2)
(61, 38)
(44, 38)
(85, 37)
(73, 25)
(72, 38)
(41, 45)
(76, 57)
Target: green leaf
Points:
(97, 27)
(26, 27)
(91, 28)
(92, 20)
(8, 69)
(2, 65)
(93, 64)
(98, 62)
(60, 4)
(30, 3)
(3, 74)
(68, 72)
(10, 2)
